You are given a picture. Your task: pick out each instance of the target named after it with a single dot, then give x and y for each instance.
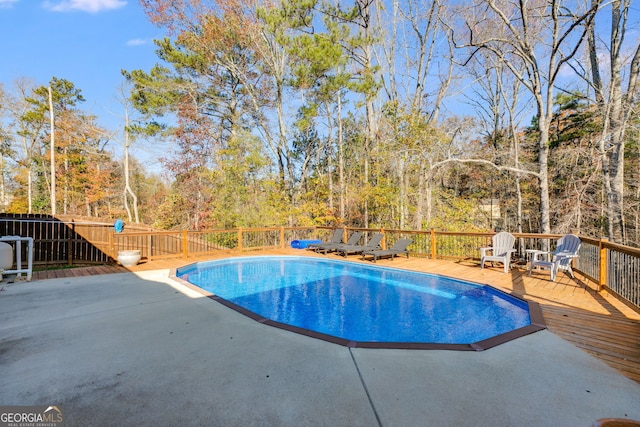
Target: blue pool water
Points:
(361, 303)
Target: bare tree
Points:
(417, 43)
(5, 148)
(616, 105)
(498, 102)
(534, 40)
(359, 47)
(28, 127)
(127, 192)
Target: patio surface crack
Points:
(364, 386)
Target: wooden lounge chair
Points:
(336, 238)
(372, 245)
(560, 259)
(332, 247)
(398, 248)
(501, 250)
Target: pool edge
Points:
(535, 316)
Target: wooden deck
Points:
(596, 322)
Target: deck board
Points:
(597, 322)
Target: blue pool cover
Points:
(303, 244)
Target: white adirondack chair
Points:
(560, 259)
(500, 251)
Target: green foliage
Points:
(243, 186)
(224, 240)
(154, 94)
(171, 212)
(64, 95)
(456, 214)
(574, 120)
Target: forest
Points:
(395, 114)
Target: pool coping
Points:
(535, 316)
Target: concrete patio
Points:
(140, 349)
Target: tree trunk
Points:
(341, 181)
(420, 202)
(65, 181)
(52, 160)
(127, 186)
(30, 189)
(403, 191)
(615, 196)
(329, 156)
(543, 177)
(615, 112)
(3, 196)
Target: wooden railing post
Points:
(602, 275)
(383, 242)
(281, 237)
(70, 245)
(112, 245)
(433, 243)
(150, 246)
(240, 239)
(185, 244)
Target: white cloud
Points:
(6, 4)
(91, 6)
(136, 42)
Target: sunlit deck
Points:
(596, 322)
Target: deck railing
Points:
(608, 265)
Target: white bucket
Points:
(129, 258)
(6, 256)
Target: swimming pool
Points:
(365, 306)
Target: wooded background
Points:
(396, 114)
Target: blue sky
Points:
(86, 42)
(89, 42)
